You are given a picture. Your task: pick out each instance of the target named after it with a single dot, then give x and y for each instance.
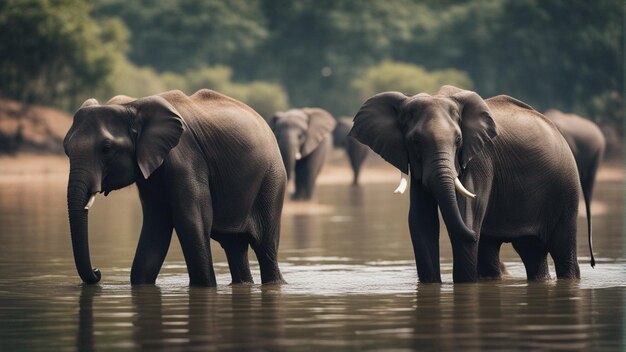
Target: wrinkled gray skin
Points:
(207, 166)
(304, 137)
(514, 160)
(356, 151)
(587, 143)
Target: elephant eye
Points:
(458, 140)
(106, 146)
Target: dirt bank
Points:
(337, 171)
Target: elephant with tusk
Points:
(514, 171)
(205, 165)
(304, 137)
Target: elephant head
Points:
(299, 132)
(434, 137)
(109, 146)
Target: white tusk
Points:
(90, 202)
(404, 181)
(298, 156)
(459, 187)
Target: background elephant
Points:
(587, 143)
(356, 151)
(515, 161)
(304, 137)
(206, 165)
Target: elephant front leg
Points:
(154, 242)
(424, 228)
(465, 253)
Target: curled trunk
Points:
(445, 193)
(77, 197)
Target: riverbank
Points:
(24, 167)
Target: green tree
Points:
(264, 97)
(179, 35)
(51, 51)
(406, 78)
(316, 48)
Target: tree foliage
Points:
(406, 78)
(565, 54)
(178, 35)
(52, 50)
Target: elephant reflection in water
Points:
(212, 320)
(487, 316)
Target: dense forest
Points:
(272, 54)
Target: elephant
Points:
(205, 165)
(521, 172)
(588, 144)
(304, 137)
(357, 152)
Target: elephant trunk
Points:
(78, 195)
(443, 186)
(290, 152)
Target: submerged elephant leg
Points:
(266, 250)
(424, 228)
(264, 241)
(534, 254)
(236, 248)
(154, 241)
(489, 266)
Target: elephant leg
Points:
(236, 248)
(154, 242)
(267, 254)
(302, 176)
(562, 248)
(534, 254)
(193, 220)
(424, 228)
(356, 153)
(465, 254)
(489, 265)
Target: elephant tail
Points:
(589, 233)
(587, 183)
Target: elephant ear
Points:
(274, 120)
(158, 129)
(477, 126)
(321, 124)
(377, 126)
(89, 102)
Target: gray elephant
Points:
(206, 165)
(304, 137)
(587, 143)
(356, 151)
(521, 173)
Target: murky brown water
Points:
(352, 285)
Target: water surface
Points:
(352, 284)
